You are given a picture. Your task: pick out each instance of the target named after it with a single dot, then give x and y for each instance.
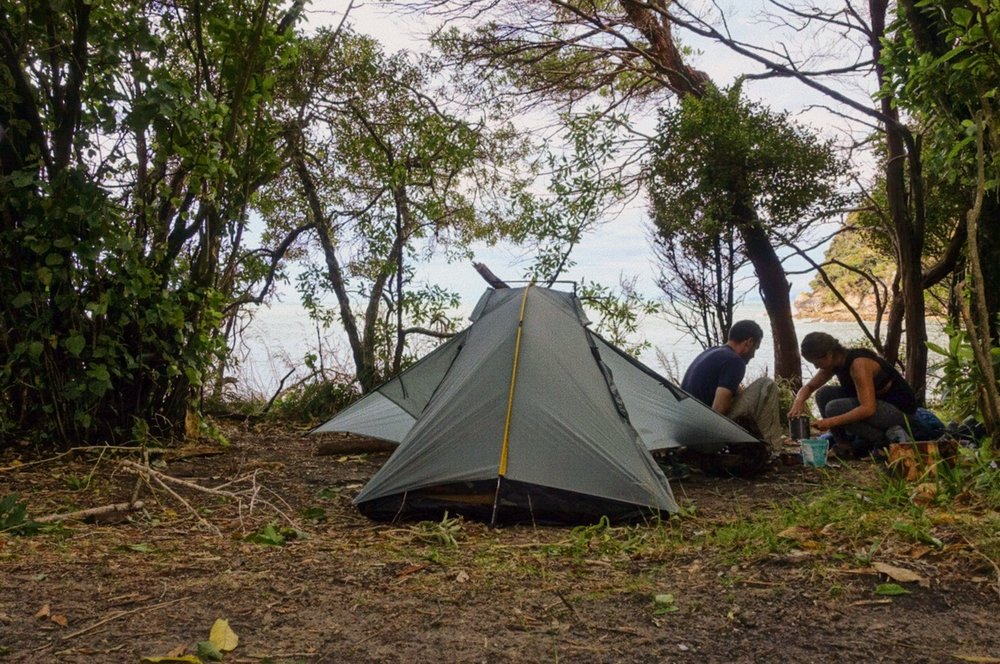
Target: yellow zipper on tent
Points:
(513, 380)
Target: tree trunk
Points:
(775, 291)
(907, 222)
(989, 259)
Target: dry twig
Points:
(93, 511)
(120, 614)
(239, 495)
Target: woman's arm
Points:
(821, 378)
(863, 373)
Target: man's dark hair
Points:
(745, 329)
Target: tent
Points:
(527, 415)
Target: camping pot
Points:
(799, 427)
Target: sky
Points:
(620, 248)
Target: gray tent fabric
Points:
(390, 411)
(529, 416)
(374, 415)
(664, 415)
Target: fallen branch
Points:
(240, 496)
(74, 450)
(179, 498)
(352, 445)
(120, 614)
(93, 511)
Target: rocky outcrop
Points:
(820, 304)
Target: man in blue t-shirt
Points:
(714, 379)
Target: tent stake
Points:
(496, 503)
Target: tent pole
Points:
(402, 505)
(496, 502)
(513, 381)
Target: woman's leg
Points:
(832, 407)
(826, 394)
(872, 429)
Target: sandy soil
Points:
(349, 590)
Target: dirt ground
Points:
(345, 589)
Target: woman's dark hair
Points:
(817, 344)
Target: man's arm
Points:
(723, 400)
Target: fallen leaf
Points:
(797, 533)
(170, 659)
(412, 569)
(59, 619)
(794, 556)
(924, 493)
(43, 612)
(942, 518)
(222, 636)
(981, 659)
(890, 589)
(462, 577)
(898, 573)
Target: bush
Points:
(314, 401)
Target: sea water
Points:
(271, 349)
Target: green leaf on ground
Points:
(268, 535)
(138, 548)
(663, 604)
(314, 513)
(890, 589)
(207, 650)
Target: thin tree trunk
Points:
(775, 291)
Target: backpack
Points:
(925, 425)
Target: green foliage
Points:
(445, 532)
(863, 250)
(664, 604)
(944, 66)
(890, 589)
(720, 166)
(14, 517)
(270, 534)
(584, 181)
(719, 152)
(313, 400)
(386, 174)
(602, 539)
(961, 386)
(620, 313)
(124, 189)
(313, 513)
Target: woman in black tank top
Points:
(871, 399)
